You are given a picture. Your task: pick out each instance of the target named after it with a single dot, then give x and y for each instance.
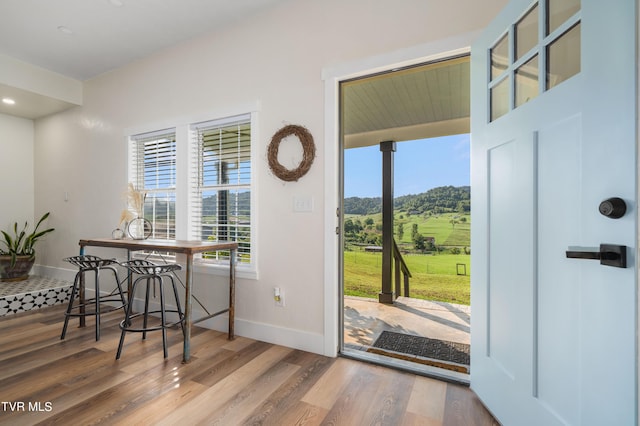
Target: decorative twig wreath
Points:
(308, 153)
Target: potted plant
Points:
(18, 255)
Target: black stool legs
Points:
(96, 264)
(151, 274)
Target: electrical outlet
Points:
(278, 297)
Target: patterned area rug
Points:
(440, 353)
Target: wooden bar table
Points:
(189, 248)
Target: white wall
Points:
(16, 171)
(276, 59)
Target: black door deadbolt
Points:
(613, 208)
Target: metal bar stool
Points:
(152, 273)
(86, 263)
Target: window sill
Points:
(223, 270)
(200, 267)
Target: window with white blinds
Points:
(220, 185)
(153, 170)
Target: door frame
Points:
(332, 77)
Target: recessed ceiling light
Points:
(116, 3)
(65, 30)
(8, 101)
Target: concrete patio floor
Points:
(365, 319)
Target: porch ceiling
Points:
(412, 103)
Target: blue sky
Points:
(419, 166)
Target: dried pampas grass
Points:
(126, 216)
(135, 201)
(135, 209)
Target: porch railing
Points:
(400, 268)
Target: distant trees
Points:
(454, 202)
(464, 206)
(356, 232)
(444, 199)
(419, 242)
(351, 227)
(414, 231)
(357, 205)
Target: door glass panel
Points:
(499, 57)
(559, 11)
(500, 99)
(526, 80)
(563, 57)
(527, 32)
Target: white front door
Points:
(554, 135)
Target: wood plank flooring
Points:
(44, 380)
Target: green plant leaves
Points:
(21, 243)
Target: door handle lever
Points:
(608, 254)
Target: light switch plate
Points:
(302, 203)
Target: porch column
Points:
(386, 295)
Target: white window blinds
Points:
(221, 185)
(153, 169)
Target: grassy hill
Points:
(440, 272)
(439, 226)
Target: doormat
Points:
(438, 353)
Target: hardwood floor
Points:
(78, 381)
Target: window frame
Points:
(541, 49)
(197, 185)
(137, 169)
(184, 193)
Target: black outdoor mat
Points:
(424, 347)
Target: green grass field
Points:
(434, 277)
(439, 227)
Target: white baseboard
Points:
(283, 336)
